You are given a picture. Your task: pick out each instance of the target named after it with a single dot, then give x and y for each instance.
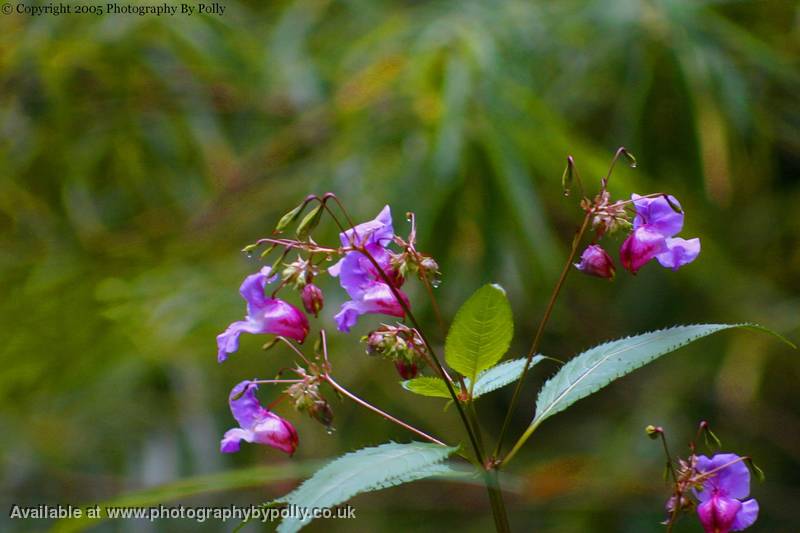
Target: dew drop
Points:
(436, 283)
(249, 254)
(330, 430)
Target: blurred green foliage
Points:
(139, 154)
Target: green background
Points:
(139, 154)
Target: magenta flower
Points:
(264, 315)
(653, 236)
(256, 424)
(596, 262)
(369, 292)
(721, 507)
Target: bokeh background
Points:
(139, 154)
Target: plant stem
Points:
(447, 380)
(496, 499)
(384, 414)
(539, 331)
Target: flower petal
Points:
(274, 431)
(657, 215)
(718, 513)
(641, 246)
(282, 318)
(230, 441)
(252, 289)
(245, 406)
(732, 481)
(746, 516)
(679, 252)
(379, 230)
(228, 340)
(347, 316)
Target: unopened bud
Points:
(321, 411)
(313, 299)
(654, 431)
(407, 370)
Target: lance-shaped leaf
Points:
(487, 381)
(502, 374)
(365, 470)
(592, 370)
(481, 332)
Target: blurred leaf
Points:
(481, 332)
(365, 470)
(191, 486)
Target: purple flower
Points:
(256, 424)
(264, 315)
(362, 279)
(653, 236)
(596, 262)
(379, 230)
(721, 507)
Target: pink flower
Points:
(264, 316)
(362, 279)
(256, 423)
(723, 507)
(653, 236)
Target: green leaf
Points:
(365, 470)
(592, 370)
(427, 386)
(487, 381)
(481, 332)
(501, 375)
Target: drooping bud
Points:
(322, 412)
(313, 299)
(653, 431)
(405, 369)
(596, 262)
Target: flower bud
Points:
(321, 411)
(313, 299)
(596, 262)
(653, 431)
(407, 370)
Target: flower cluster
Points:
(370, 280)
(720, 484)
(657, 221)
(370, 272)
(400, 344)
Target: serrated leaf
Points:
(501, 375)
(364, 470)
(592, 370)
(481, 332)
(309, 222)
(487, 381)
(427, 386)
